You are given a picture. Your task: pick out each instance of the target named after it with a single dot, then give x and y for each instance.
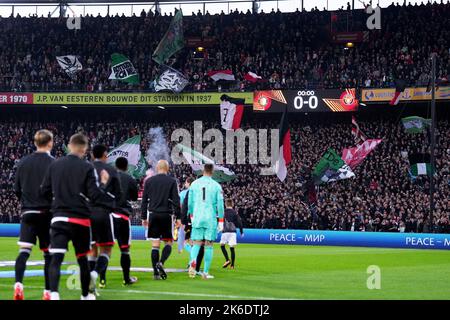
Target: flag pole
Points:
(433, 137)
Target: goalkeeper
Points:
(206, 209)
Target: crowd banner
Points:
(135, 99)
(313, 238)
(410, 94)
(327, 100)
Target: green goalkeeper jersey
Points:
(205, 203)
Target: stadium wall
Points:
(314, 237)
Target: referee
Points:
(35, 209)
(159, 201)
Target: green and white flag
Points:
(65, 149)
(122, 69)
(420, 164)
(172, 41)
(331, 168)
(197, 160)
(170, 79)
(130, 150)
(421, 169)
(415, 124)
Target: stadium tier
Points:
(298, 50)
(383, 195)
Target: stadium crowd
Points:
(289, 50)
(382, 196)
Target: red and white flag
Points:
(285, 152)
(400, 86)
(221, 75)
(231, 111)
(252, 77)
(354, 156)
(357, 134)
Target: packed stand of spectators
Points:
(382, 196)
(289, 50)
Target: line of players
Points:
(70, 199)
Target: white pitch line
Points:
(187, 294)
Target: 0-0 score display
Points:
(306, 98)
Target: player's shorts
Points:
(229, 238)
(160, 227)
(208, 234)
(77, 230)
(102, 229)
(187, 231)
(122, 230)
(35, 224)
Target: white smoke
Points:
(158, 148)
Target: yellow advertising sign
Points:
(410, 94)
(136, 99)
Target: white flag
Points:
(70, 64)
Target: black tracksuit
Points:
(232, 221)
(160, 200)
(74, 185)
(129, 193)
(29, 176)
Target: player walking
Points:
(159, 200)
(72, 183)
(205, 206)
(121, 218)
(187, 224)
(231, 222)
(102, 220)
(35, 209)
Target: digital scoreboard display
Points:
(332, 100)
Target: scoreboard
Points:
(332, 100)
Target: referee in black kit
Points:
(35, 209)
(160, 201)
(73, 184)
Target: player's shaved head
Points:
(162, 166)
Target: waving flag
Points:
(130, 150)
(252, 77)
(122, 69)
(420, 164)
(197, 160)
(231, 110)
(415, 124)
(357, 134)
(173, 40)
(70, 64)
(170, 80)
(217, 75)
(354, 156)
(331, 168)
(285, 151)
(400, 86)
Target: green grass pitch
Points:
(268, 272)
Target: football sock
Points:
(155, 259)
(188, 247)
(225, 253)
(21, 263)
(54, 271)
(47, 260)
(201, 253)
(165, 253)
(233, 255)
(85, 275)
(208, 257)
(102, 263)
(92, 262)
(125, 263)
(194, 252)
